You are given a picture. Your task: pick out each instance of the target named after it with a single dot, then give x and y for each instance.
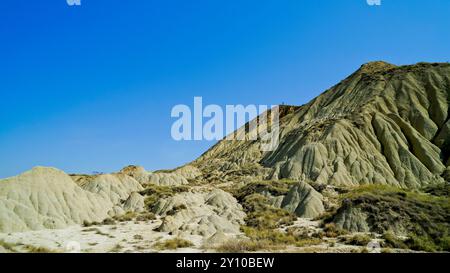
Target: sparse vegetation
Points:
(116, 248)
(240, 246)
(146, 216)
(263, 221)
(439, 189)
(275, 188)
(358, 240)
(263, 216)
(332, 231)
(40, 249)
(392, 241)
(108, 221)
(279, 239)
(153, 193)
(129, 216)
(97, 231)
(7, 246)
(88, 224)
(423, 216)
(176, 209)
(421, 243)
(173, 244)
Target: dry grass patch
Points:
(241, 246)
(173, 244)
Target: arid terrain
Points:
(363, 167)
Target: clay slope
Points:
(47, 198)
(383, 124)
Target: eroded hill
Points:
(366, 162)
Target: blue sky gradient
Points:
(90, 88)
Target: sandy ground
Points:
(137, 237)
(122, 237)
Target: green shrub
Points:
(241, 246)
(129, 216)
(307, 242)
(358, 240)
(274, 187)
(332, 231)
(38, 249)
(263, 216)
(146, 216)
(444, 243)
(421, 243)
(439, 189)
(116, 248)
(7, 246)
(108, 221)
(154, 193)
(271, 235)
(173, 244)
(88, 224)
(422, 215)
(392, 241)
(176, 209)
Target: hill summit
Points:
(384, 124)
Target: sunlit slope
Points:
(383, 124)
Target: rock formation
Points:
(46, 198)
(383, 124)
(304, 201)
(200, 213)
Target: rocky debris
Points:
(200, 213)
(47, 198)
(304, 201)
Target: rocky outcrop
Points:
(200, 213)
(135, 203)
(115, 187)
(304, 201)
(352, 219)
(382, 125)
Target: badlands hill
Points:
(369, 156)
(381, 125)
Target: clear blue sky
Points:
(91, 88)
